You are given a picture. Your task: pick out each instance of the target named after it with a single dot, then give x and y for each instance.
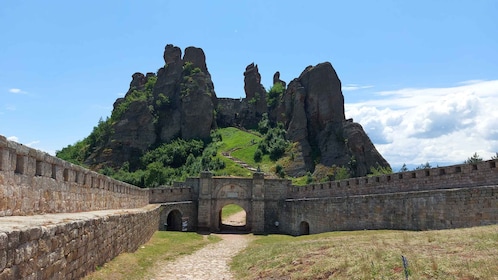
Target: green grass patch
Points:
(229, 210)
(231, 169)
(242, 145)
(444, 254)
(163, 246)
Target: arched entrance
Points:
(174, 221)
(232, 218)
(304, 228)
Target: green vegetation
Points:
(163, 246)
(172, 161)
(445, 254)
(274, 94)
(475, 158)
(379, 170)
(229, 210)
(274, 142)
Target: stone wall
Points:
(417, 210)
(33, 182)
(455, 176)
(69, 246)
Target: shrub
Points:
(258, 155)
(274, 94)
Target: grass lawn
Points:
(229, 210)
(164, 245)
(242, 145)
(445, 254)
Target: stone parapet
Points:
(33, 182)
(69, 246)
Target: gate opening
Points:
(174, 221)
(233, 218)
(304, 228)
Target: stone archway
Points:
(174, 221)
(216, 194)
(304, 228)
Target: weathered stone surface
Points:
(313, 110)
(276, 79)
(255, 92)
(172, 54)
(183, 104)
(197, 57)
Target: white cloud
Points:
(17, 91)
(33, 143)
(13, 138)
(435, 125)
(351, 87)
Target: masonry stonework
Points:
(36, 188)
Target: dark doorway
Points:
(304, 228)
(174, 221)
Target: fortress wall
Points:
(275, 191)
(416, 210)
(33, 182)
(62, 249)
(171, 194)
(456, 176)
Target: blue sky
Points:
(420, 76)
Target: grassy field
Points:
(446, 254)
(164, 245)
(229, 210)
(242, 145)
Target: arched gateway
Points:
(215, 194)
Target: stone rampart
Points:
(33, 182)
(455, 176)
(415, 210)
(69, 246)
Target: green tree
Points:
(274, 95)
(258, 155)
(473, 159)
(427, 165)
(403, 168)
(495, 156)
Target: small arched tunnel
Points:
(304, 228)
(174, 221)
(233, 218)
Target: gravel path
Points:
(210, 262)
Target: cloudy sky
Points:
(420, 76)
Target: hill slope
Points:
(179, 102)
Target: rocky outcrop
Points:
(255, 92)
(276, 79)
(180, 102)
(312, 109)
(177, 103)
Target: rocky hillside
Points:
(180, 102)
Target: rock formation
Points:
(180, 102)
(312, 109)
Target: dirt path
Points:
(210, 262)
(237, 219)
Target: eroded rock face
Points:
(182, 104)
(313, 110)
(255, 92)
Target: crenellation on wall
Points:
(171, 194)
(33, 182)
(478, 174)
